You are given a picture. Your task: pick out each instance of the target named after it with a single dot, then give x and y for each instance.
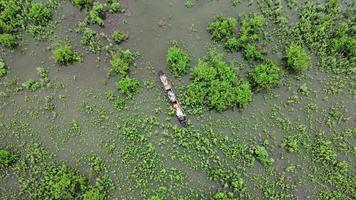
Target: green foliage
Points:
(60, 182)
(251, 52)
(222, 28)
(90, 40)
(97, 14)
(93, 194)
(119, 37)
(297, 59)
(32, 85)
(262, 155)
(265, 76)
(121, 61)
(223, 196)
(323, 151)
(39, 14)
(251, 27)
(114, 6)
(64, 54)
(215, 85)
(232, 44)
(12, 17)
(177, 60)
(3, 68)
(6, 158)
(83, 3)
(128, 86)
(8, 40)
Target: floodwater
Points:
(151, 25)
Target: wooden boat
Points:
(173, 99)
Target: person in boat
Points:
(164, 80)
(171, 96)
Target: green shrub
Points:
(262, 155)
(120, 62)
(251, 52)
(93, 194)
(12, 16)
(114, 6)
(90, 40)
(60, 182)
(222, 28)
(6, 158)
(250, 28)
(232, 44)
(8, 40)
(32, 85)
(216, 85)
(39, 14)
(223, 196)
(119, 37)
(297, 59)
(128, 86)
(97, 14)
(83, 3)
(65, 54)
(177, 60)
(3, 68)
(265, 76)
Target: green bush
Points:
(65, 54)
(8, 40)
(120, 62)
(32, 85)
(83, 3)
(222, 28)
(97, 14)
(216, 85)
(177, 60)
(119, 37)
(262, 155)
(223, 196)
(6, 158)
(12, 16)
(232, 44)
(39, 14)
(251, 52)
(90, 40)
(61, 182)
(265, 76)
(128, 86)
(3, 69)
(297, 59)
(93, 194)
(250, 28)
(114, 6)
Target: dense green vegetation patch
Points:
(3, 68)
(177, 60)
(298, 60)
(6, 158)
(216, 85)
(265, 76)
(65, 54)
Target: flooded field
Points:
(268, 89)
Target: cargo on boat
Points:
(173, 99)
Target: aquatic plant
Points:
(8, 40)
(221, 195)
(12, 16)
(128, 86)
(215, 85)
(6, 158)
(90, 39)
(3, 68)
(121, 61)
(39, 14)
(97, 14)
(222, 28)
(119, 37)
(252, 52)
(262, 155)
(297, 59)
(64, 54)
(114, 6)
(232, 44)
(31, 85)
(177, 60)
(83, 3)
(265, 76)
